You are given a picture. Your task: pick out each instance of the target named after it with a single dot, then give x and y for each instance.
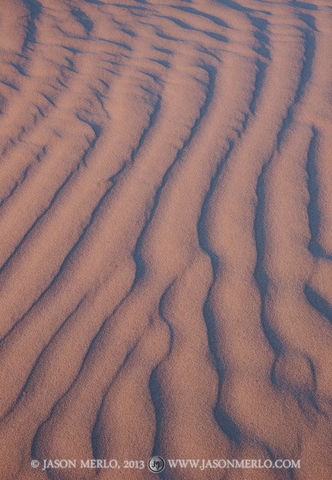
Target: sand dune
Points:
(166, 236)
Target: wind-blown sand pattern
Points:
(166, 235)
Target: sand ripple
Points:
(166, 235)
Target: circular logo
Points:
(35, 463)
(156, 464)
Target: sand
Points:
(166, 236)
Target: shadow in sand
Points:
(259, 82)
(194, 11)
(35, 8)
(180, 23)
(314, 216)
(260, 274)
(318, 303)
(82, 18)
(140, 264)
(156, 391)
(226, 424)
(305, 75)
